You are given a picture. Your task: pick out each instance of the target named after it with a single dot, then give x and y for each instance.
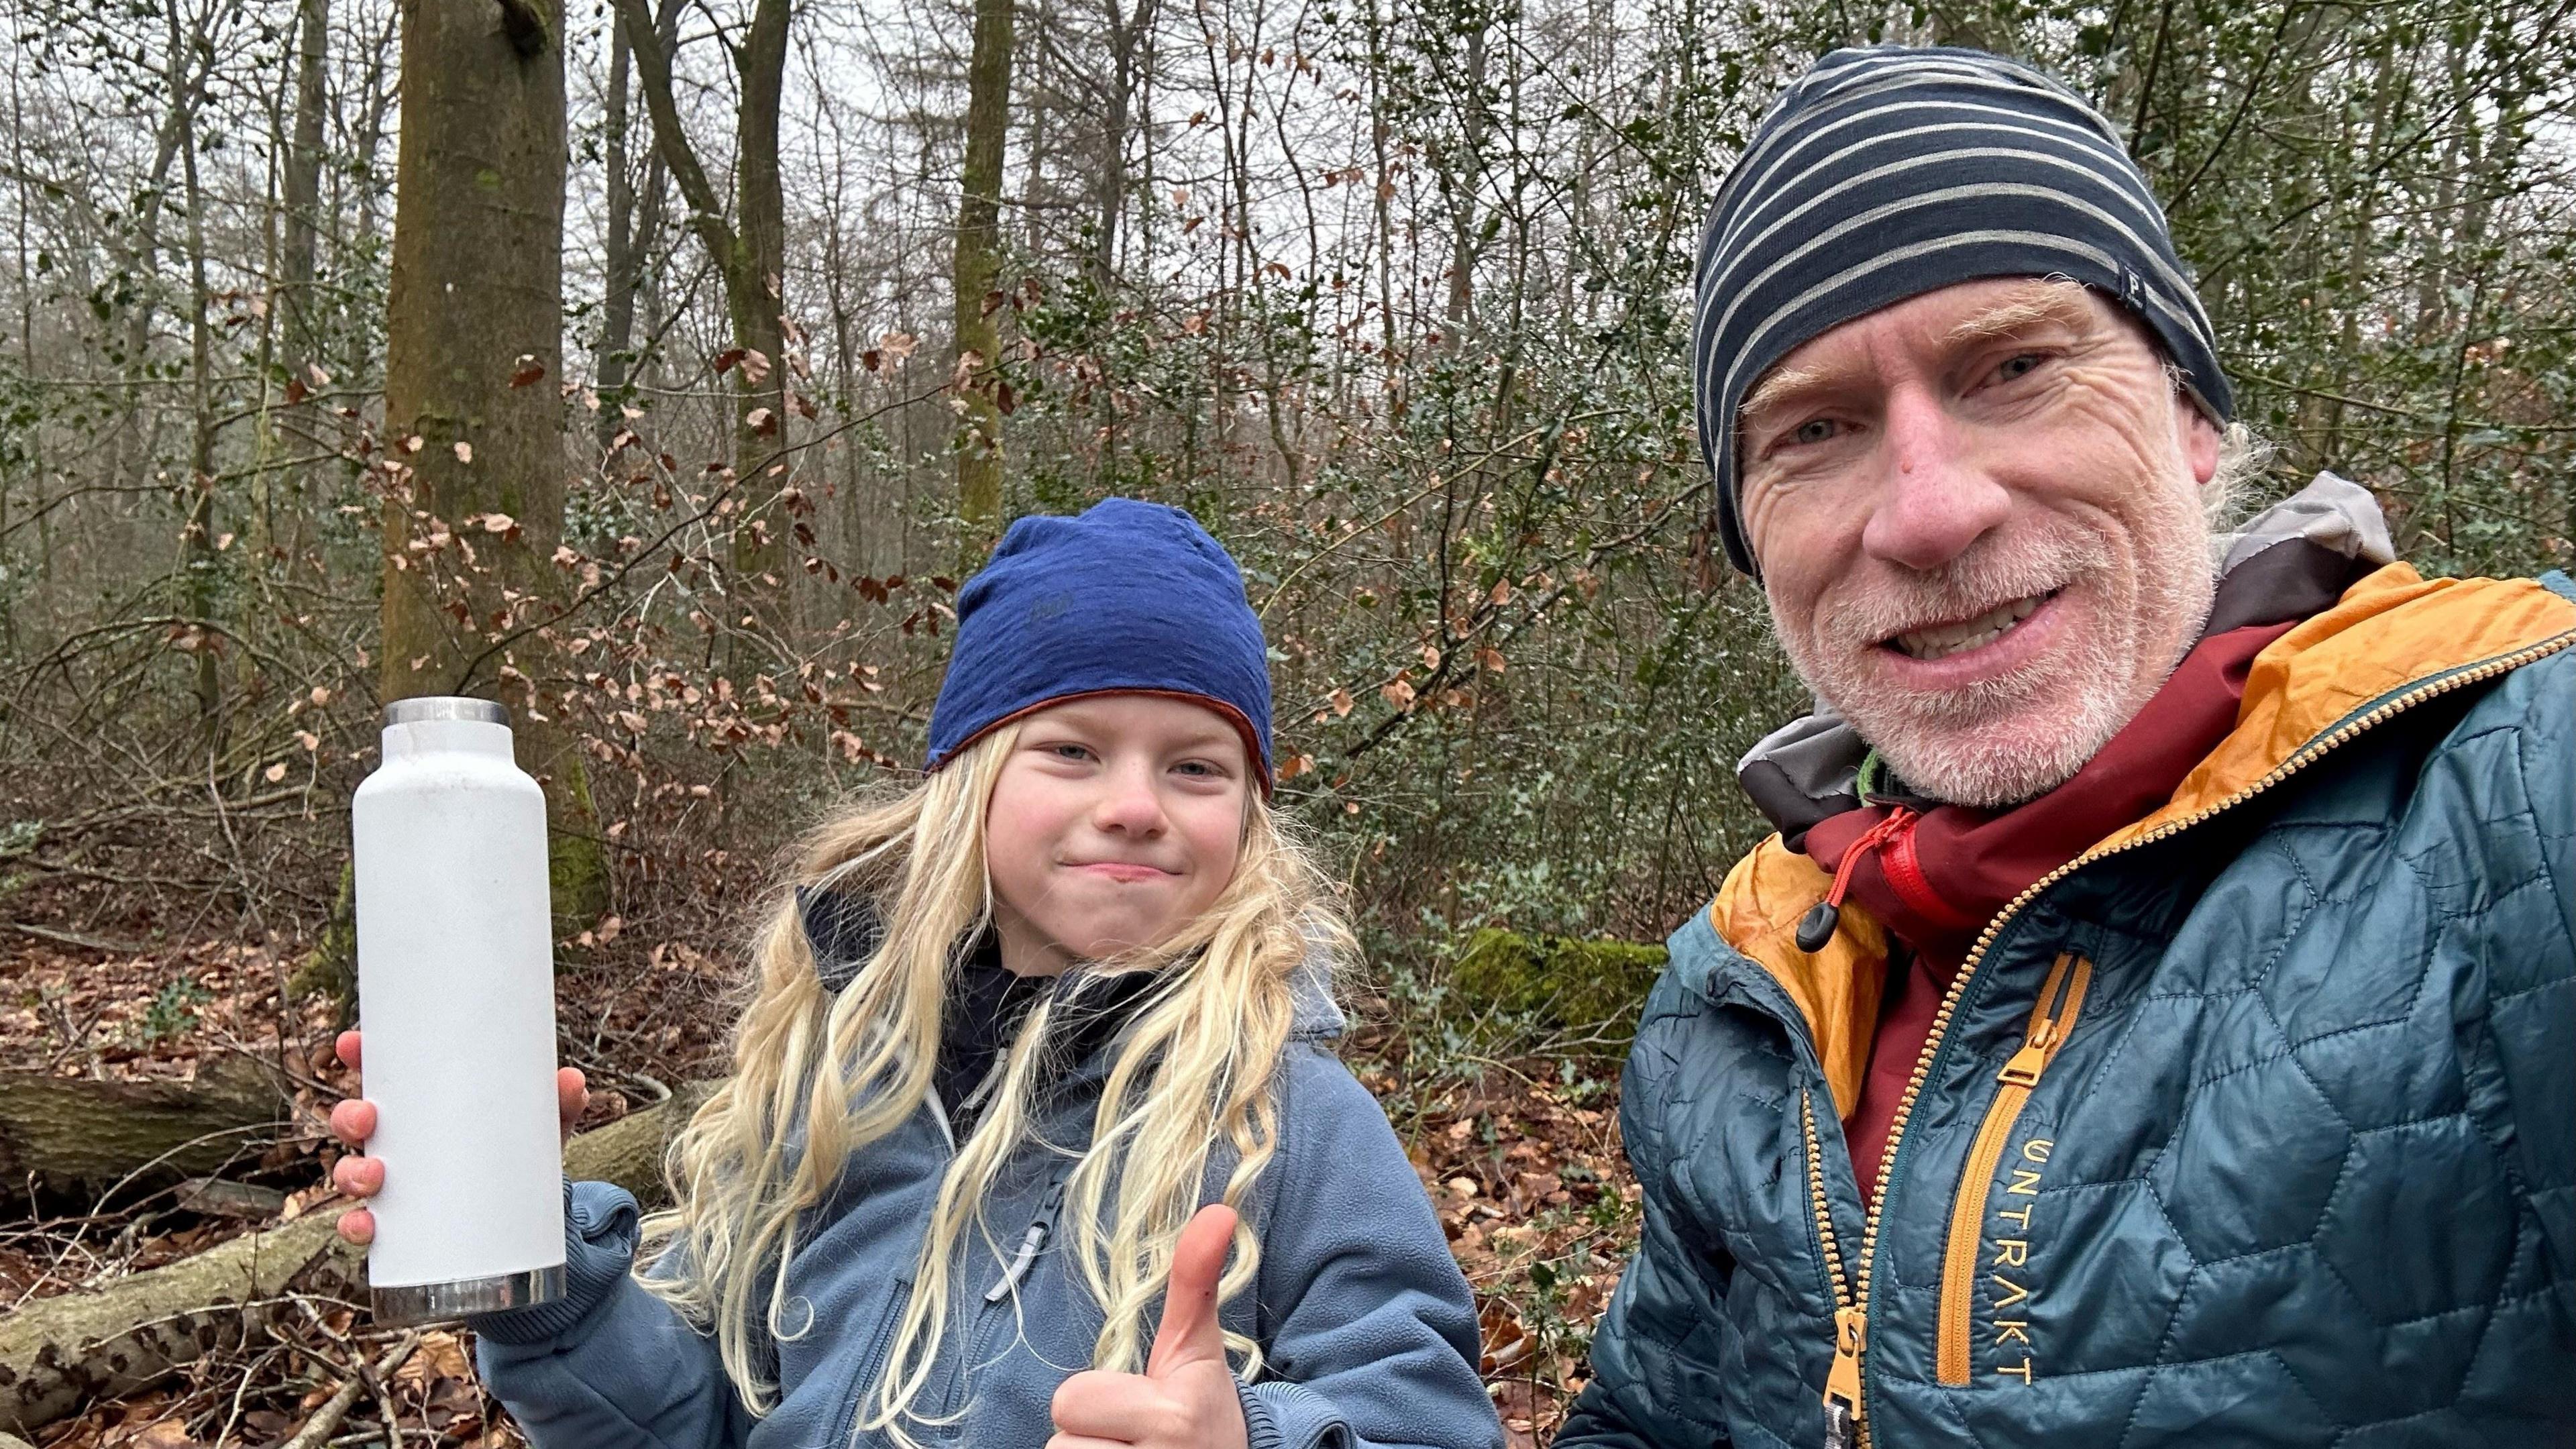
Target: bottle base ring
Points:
(402, 1304)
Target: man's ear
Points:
(2200, 441)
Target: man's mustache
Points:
(1993, 573)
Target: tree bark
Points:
(749, 255)
(758, 301)
(634, 225)
(1125, 36)
(205, 571)
(367, 147)
(617, 300)
(69, 1133)
(301, 189)
(472, 372)
(978, 267)
(58, 1354)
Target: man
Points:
(2155, 1021)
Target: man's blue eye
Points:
(2021, 366)
(1814, 430)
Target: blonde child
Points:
(1034, 1135)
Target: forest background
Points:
(659, 368)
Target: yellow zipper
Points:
(1851, 1313)
(2048, 1031)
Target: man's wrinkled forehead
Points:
(1978, 311)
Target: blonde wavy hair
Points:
(1192, 1073)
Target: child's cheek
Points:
(1216, 851)
(1021, 830)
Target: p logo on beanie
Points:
(1128, 598)
(1886, 172)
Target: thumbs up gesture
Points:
(1185, 1398)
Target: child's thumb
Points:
(1190, 1333)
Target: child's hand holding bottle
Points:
(354, 1121)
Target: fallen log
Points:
(59, 1354)
(69, 1133)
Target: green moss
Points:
(1565, 981)
(331, 967)
(576, 861)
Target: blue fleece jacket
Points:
(1367, 1327)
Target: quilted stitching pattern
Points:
(2309, 1171)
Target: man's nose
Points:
(1936, 497)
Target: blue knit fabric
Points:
(1129, 597)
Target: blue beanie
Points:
(1129, 598)
(1886, 172)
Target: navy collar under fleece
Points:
(986, 1002)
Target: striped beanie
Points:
(1886, 172)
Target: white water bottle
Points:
(456, 1001)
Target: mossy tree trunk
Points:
(473, 400)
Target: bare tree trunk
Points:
(751, 257)
(1461, 182)
(634, 224)
(1041, 109)
(2358, 262)
(1382, 191)
(182, 76)
(757, 299)
(367, 147)
(204, 571)
(65, 1134)
(978, 267)
(619, 292)
(302, 190)
(617, 302)
(470, 525)
(1109, 171)
(24, 179)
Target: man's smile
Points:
(1939, 641)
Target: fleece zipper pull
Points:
(1818, 926)
(1029, 1243)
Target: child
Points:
(1030, 1051)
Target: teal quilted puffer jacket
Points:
(2254, 1125)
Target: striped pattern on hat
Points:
(1886, 172)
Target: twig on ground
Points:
(327, 1418)
(75, 938)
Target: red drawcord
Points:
(1896, 823)
(1818, 926)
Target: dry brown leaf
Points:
(440, 1355)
